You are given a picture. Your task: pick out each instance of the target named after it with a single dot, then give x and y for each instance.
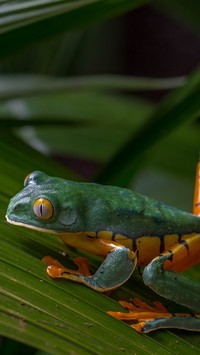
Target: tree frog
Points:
(127, 230)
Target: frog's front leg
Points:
(116, 269)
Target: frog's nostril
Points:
(16, 207)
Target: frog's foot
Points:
(116, 268)
(142, 313)
(56, 270)
(148, 319)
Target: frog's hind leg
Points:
(175, 287)
(172, 286)
(149, 318)
(196, 204)
(160, 273)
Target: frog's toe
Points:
(141, 313)
(56, 270)
(51, 261)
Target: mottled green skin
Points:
(92, 207)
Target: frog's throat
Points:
(41, 229)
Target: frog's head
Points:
(47, 204)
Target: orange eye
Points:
(43, 208)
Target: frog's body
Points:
(125, 227)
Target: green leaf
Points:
(86, 117)
(179, 107)
(27, 22)
(14, 86)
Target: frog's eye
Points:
(43, 208)
(26, 180)
(35, 178)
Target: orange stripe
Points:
(196, 204)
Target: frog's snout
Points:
(15, 210)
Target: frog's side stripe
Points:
(147, 246)
(196, 204)
(184, 242)
(162, 243)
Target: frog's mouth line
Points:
(31, 226)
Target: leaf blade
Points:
(83, 13)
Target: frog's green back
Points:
(93, 207)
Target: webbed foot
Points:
(141, 312)
(148, 318)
